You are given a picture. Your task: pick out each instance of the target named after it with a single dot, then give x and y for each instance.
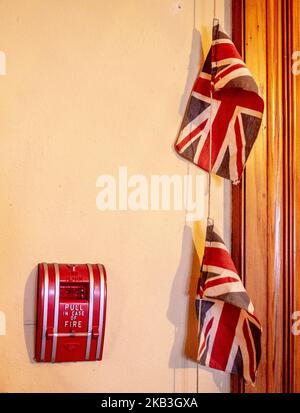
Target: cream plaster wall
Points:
(91, 86)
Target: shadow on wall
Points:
(181, 311)
(193, 69)
(29, 312)
(196, 57)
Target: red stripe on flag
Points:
(203, 160)
(207, 330)
(190, 136)
(219, 130)
(244, 98)
(224, 336)
(202, 86)
(224, 51)
(218, 258)
(227, 71)
(220, 281)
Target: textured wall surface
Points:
(91, 86)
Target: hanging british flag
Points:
(229, 332)
(224, 103)
(219, 129)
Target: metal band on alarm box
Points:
(91, 310)
(45, 311)
(56, 307)
(101, 312)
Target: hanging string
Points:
(215, 8)
(209, 219)
(187, 184)
(215, 21)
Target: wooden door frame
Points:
(238, 191)
(264, 224)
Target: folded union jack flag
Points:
(226, 105)
(229, 332)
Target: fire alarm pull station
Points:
(71, 312)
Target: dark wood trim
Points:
(237, 239)
(287, 198)
(238, 191)
(265, 224)
(293, 186)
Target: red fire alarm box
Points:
(71, 312)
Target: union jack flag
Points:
(229, 332)
(225, 104)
